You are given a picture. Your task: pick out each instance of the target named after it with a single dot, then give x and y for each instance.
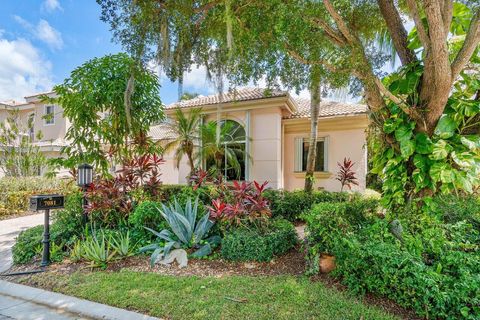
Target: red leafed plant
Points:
(346, 175)
(241, 204)
(111, 199)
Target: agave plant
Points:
(185, 232)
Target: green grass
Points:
(273, 297)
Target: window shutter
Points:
(298, 154)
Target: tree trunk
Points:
(312, 150)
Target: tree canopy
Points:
(428, 102)
(93, 100)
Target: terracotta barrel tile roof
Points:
(327, 109)
(242, 94)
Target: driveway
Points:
(9, 229)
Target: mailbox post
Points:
(46, 202)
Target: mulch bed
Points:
(292, 263)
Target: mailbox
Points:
(47, 202)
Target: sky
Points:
(42, 41)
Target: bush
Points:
(16, 192)
(326, 222)
(291, 204)
(25, 248)
(431, 264)
(252, 245)
(146, 214)
(69, 222)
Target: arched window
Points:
(233, 149)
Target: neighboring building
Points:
(276, 127)
(47, 118)
(277, 130)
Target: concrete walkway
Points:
(9, 230)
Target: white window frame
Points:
(298, 153)
(45, 123)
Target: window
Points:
(301, 154)
(233, 140)
(49, 115)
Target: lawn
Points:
(234, 297)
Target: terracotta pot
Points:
(327, 263)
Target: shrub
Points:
(243, 205)
(184, 231)
(244, 244)
(291, 204)
(69, 221)
(146, 214)
(16, 192)
(25, 246)
(433, 267)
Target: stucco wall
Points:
(342, 142)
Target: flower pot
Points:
(327, 263)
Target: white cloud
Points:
(23, 71)
(43, 31)
(51, 5)
(196, 80)
(49, 35)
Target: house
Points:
(46, 118)
(276, 128)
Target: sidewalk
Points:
(22, 302)
(9, 229)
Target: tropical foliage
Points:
(184, 130)
(105, 118)
(346, 175)
(184, 232)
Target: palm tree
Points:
(224, 150)
(185, 137)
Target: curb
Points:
(73, 305)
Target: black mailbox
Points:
(46, 202)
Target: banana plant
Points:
(185, 231)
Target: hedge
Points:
(251, 245)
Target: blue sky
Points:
(42, 41)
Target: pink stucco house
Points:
(276, 126)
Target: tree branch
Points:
(422, 34)
(342, 26)
(333, 34)
(397, 31)
(472, 40)
(399, 102)
(447, 14)
(295, 55)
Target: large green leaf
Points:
(423, 144)
(203, 251)
(436, 170)
(446, 127)
(440, 151)
(403, 133)
(472, 142)
(407, 148)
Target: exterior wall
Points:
(342, 142)
(266, 146)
